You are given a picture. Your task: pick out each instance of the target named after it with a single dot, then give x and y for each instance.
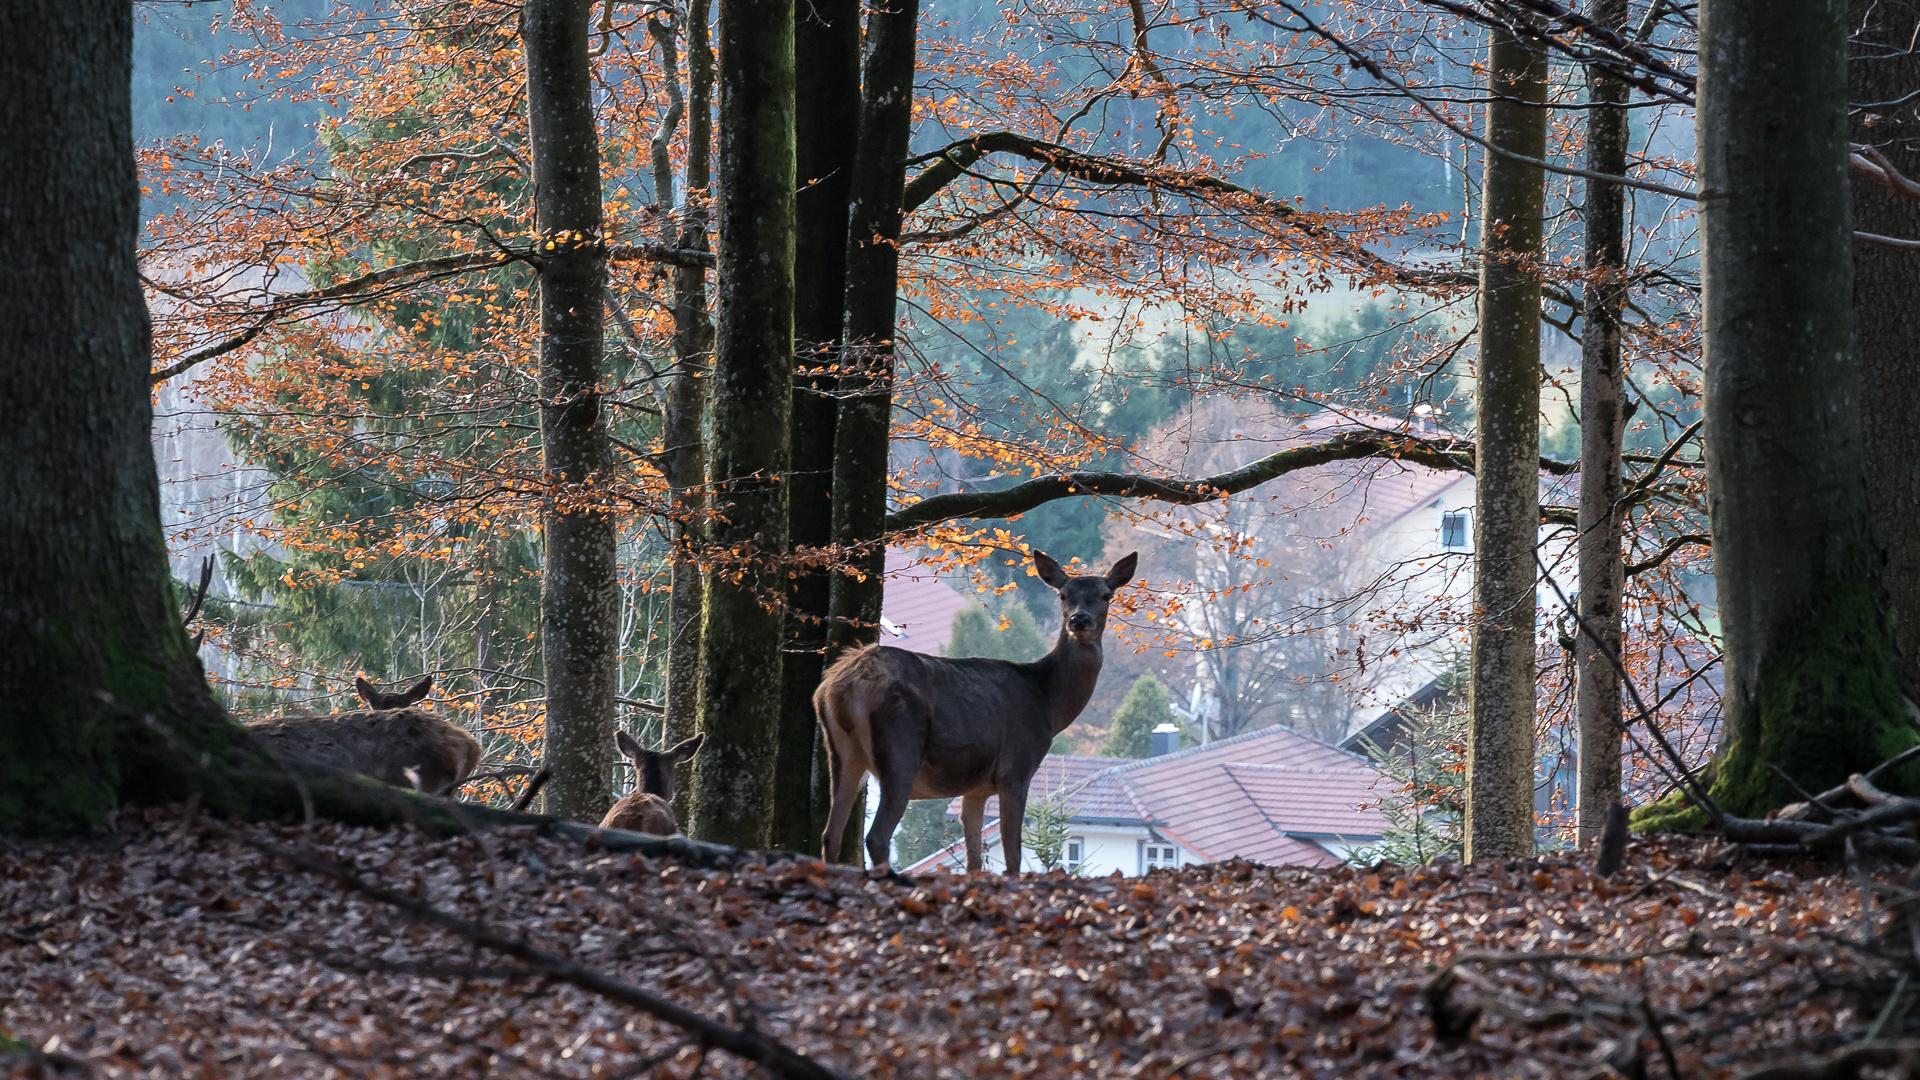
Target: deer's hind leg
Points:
(899, 729)
(973, 815)
(846, 769)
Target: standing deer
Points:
(387, 742)
(934, 727)
(650, 808)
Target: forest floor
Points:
(176, 949)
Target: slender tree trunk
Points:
(683, 428)
(1506, 519)
(752, 398)
(579, 605)
(827, 85)
(1810, 683)
(867, 336)
(1883, 78)
(93, 637)
(873, 282)
(486, 592)
(1602, 424)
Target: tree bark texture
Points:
(752, 399)
(873, 277)
(1810, 683)
(93, 637)
(827, 87)
(1499, 818)
(1602, 425)
(684, 425)
(578, 600)
(1882, 78)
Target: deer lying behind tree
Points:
(933, 727)
(650, 808)
(384, 742)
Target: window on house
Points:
(1076, 852)
(1456, 531)
(1156, 855)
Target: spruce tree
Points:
(1145, 707)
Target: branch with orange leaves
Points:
(381, 283)
(1449, 454)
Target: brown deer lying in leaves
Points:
(932, 727)
(392, 741)
(650, 808)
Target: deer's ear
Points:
(685, 751)
(412, 693)
(1050, 571)
(1122, 572)
(627, 746)
(366, 691)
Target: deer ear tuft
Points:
(1050, 571)
(685, 750)
(1122, 572)
(412, 693)
(366, 691)
(627, 746)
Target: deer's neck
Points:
(1072, 671)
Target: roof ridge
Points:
(1243, 737)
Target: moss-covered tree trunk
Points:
(826, 39)
(873, 281)
(1810, 682)
(684, 427)
(752, 397)
(1602, 423)
(579, 605)
(1883, 79)
(1506, 517)
(87, 612)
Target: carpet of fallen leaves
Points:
(173, 951)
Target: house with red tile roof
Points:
(917, 610)
(1272, 796)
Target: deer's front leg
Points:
(973, 812)
(1013, 810)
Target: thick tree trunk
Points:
(873, 282)
(683, 432)
(1810, 683)
(579, 605)
(1602, 423)
(1499, 820)
(93, 636)
(827, 84)
(1883, 77)
(752, 398)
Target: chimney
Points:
(1166, 739)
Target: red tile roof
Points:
(1263, 796)
(918, 604)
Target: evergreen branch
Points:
(1448, 454)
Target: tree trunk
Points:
(93, 637)
(1602, 424)
(1810, 684)
(873, 282)
(1499, 820)
(752, 397)
(1882, 79)
(866, 386)
(579, 605)
(827, 84)
(683, 431)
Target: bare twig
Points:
(533, 788)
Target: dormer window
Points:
(1456, 530)
(1156, 854)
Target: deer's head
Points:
(377, 700)
(1084, 597)
(654, 768)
